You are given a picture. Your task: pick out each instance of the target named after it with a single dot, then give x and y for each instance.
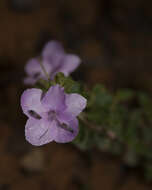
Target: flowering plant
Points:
(51, 111)
(62, 110)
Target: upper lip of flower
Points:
(54, 59)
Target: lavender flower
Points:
(54, 60)
(51, 116)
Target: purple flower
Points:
(54, 60)
(51, 116)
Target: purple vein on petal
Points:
(43, 134)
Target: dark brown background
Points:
(113, 37)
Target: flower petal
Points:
(69, 64)
(54, 98)
(30, 100)
(32, 66)
(35, 71)
(75, 104)
(52, 47)
(64, 117)
(29, 80)
(64, 135)
(53, 52)
(38, 132)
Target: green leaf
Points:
(124, 95)
(148, 171)
(44, 85)
(69, 85)
(99, 97)
(84, 140)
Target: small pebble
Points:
(33, 161)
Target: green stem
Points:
(96, 128)
(92, 126)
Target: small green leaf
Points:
(124, 95)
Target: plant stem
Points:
(92, 126)
(96, 128)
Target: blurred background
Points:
(114, 40)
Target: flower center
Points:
(52, 115)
